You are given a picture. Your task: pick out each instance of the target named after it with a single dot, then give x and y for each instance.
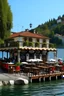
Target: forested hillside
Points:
(50, 28)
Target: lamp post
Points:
(30, 25)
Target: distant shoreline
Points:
(60, 48)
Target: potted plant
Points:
(17, 68)
(31, 44)
(27, 43)
(37, 44)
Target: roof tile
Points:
(27, 34)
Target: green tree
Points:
(51, 34)
(5, 19)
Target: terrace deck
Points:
(44, 76)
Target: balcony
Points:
(34, 44)
(44, 45)
(37, 44)
(10, 44)
(28, 44)
(14, 44)
(23, 44)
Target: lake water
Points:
(50, 88)
(60, 54)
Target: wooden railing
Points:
(16, 44)
(10, 44)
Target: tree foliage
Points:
(5, 19)
(52, 27)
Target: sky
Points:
(34, 11)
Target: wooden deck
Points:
(44, 76)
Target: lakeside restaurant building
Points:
(25, 45)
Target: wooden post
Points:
(7, 54)
(30, 80)
(56, 77)
(55, 55)
(50, 78)
(40, 79)
(35, 56)
(41, 56)
(27, 57)
(18, 55)
(44, 79)
(2, 54)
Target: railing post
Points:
(50, 78)
(30, 80)
(44, 79)
(56, 77)
(40, 79)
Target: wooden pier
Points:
(44, 76)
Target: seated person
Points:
(60, 62)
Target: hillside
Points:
(51, 28)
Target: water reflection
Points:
(53, 88)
